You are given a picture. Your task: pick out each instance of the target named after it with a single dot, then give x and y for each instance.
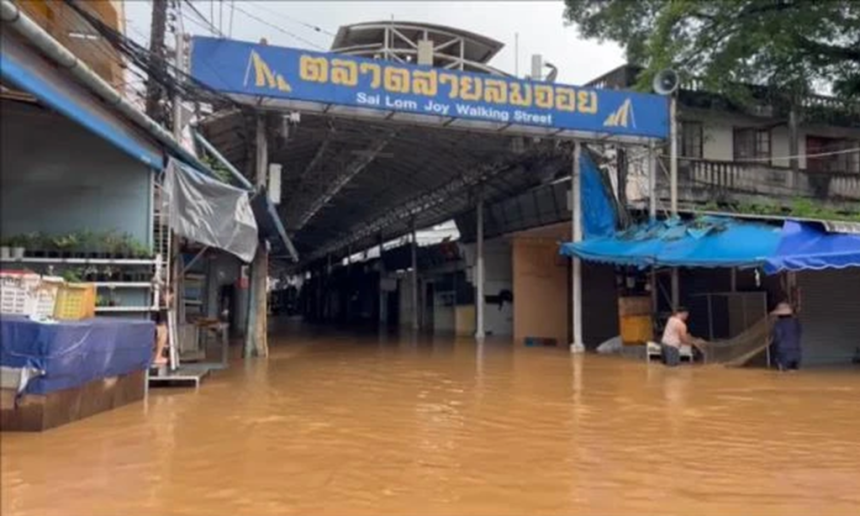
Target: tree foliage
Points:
(793, 45)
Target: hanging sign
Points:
(255, 70)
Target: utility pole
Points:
(577, 345)
(673, 186)
(256, 339)
(157, 31)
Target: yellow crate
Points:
(75, 301)
(636, 329)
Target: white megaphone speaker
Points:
(665, 82)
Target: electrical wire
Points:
(280, 29)
(310, 26)
(214, 30)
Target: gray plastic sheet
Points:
(208, 211)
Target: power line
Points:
(279, 29)
(314, 28)
(209, 24)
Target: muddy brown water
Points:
(343, 425)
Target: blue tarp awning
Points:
(704, 242)
(807, 246)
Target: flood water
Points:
(343, 425)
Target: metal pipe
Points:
(415, 325)
(10, 14)
(673, 158)
(673, 186)
(479, 269)
(577, 345)
(229, 166)
(652, 182)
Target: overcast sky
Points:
(539, 24)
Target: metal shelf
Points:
(119, 309)
(82, 261)
(121, 284)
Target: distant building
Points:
(73, 32)
(732, 153)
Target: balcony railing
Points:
(701, 181)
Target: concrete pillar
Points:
(256, 340)
(414, 249)
(479, 268)
(577, 346)
(673, 183)
(383, 295)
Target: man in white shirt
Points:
(675, 335)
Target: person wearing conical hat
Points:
(785, 338)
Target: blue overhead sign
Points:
(257, 70)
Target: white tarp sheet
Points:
(208, 211)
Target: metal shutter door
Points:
(830, 314)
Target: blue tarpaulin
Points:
(598, 211)
(72, 353)
(807, 246)
(704, 242)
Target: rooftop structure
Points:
(421, 43)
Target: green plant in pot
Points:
(72, 276)
(36, 244)
(91, 273)
(111, 244)
(140, 250)
(126, 246)
(65, 245)
(87, 244)
(5, 248)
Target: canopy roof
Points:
(806, 246)
(703, 242)
(723, 242)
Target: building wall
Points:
(540, 281)
(60, 20)
(59, 178)
(498, 277)
(718, 134)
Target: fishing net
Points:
(741, 348)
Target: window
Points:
(752, 145)
(832, 155)
(692, 141)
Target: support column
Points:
(673, 183)
(479, 268)
(415, 322)
(793, 144)
(577, 346)
(652, 182)
(383, 295)
(256, 339)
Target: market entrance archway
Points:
(370, 147)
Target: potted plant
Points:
(72, 276)
(101, 301)
(112, 244)
(107, 274)
(140, 250)
(35, 244)
(86, 241)
(65, 244)
(91, 273)
(5, 248)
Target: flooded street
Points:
(345, 425)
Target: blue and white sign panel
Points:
(253, 71)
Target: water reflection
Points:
(346, 425)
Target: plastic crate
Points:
(27, 293)
(75, 301)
